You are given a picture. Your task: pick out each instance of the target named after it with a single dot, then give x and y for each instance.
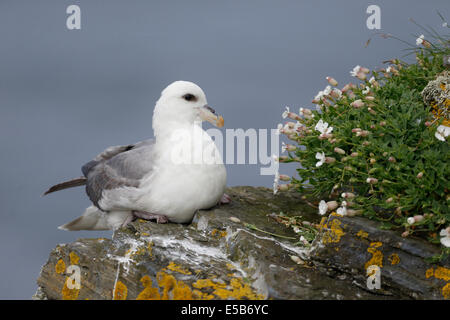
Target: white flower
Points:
(372, 80)
(322, 127)
(323, 207)
(283, 147)
(388, 69)
(285, 113)
(355, 71)
(323, 93)
(445, 237)
(442, 132)
(297, 126)
(342, 211)
(410, 220)
(321, 157)
(419, 40)
(366, 90)
(336, 93)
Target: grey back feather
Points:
(117, 167)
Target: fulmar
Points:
(167, 178)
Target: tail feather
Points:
(95, 219)
(66, 184)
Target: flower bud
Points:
(330, 160)
(363, 133)
(336, 93)
(418, 218)
(382, 123)
(389, 200)
(428, 123)
(339, 150)
(372, 180)
(385, 154)
(332, 81)
(347, 195)
(392, 159)
(361, 76)
(332, 205)
(283, 187)
(354, 154)
(364, 70)
(405, 234)
(346, 88)
(357, 104)
(410, 220)
(419, 175)
(284, 177)
(366, 143)
(305, 111)
(372, 161)
(356, 130)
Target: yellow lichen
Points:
(174, 267)
(60, 266)
(74, 259)
(377, 255)
(198, 295)
(334, 232)
(394, 259)
(167, 282)
(181, 291)
(442, 273)
(207, 283)
(120, 291)
(149, 293)
(218, 233)
(362, 234)
(69, 294)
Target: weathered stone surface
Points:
(353, 244)
(220, 256)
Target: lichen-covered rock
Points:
(353, 245)
(238, 251)
(214, 257)
(436, 94)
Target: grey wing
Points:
(117, 167)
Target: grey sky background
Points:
(66, 95)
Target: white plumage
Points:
(172, 176)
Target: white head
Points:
(182, 103)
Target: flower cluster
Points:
(374, 148)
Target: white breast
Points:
(189, 175)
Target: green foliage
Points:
(382, 147)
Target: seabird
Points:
(167, 178)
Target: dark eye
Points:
(189, 97)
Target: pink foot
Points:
(225, 199)
(151, 216)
